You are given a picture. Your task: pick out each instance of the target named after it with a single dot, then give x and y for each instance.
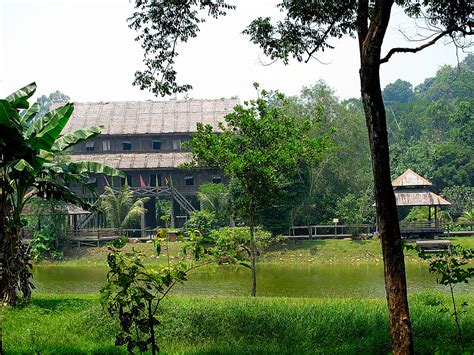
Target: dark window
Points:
(155, 180)
(156, 145)
(129, 180)
(90, 146)
(189, 180)
(176, 144)
(127, 145)
(106, 145)
(122, 181)
(216, 179)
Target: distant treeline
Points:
(431, 130)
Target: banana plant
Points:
(33, 162)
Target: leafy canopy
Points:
(307, 28)
(260, 147)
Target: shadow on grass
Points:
(297, 245)
(56, 304)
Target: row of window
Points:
(127, 145)
(155, 180)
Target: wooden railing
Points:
(331, 231)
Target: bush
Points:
(43, 246)
(202, 221)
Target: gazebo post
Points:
(435, 216)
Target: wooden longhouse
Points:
(144, 140)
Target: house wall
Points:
(140, 143)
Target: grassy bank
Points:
(321, 251)
(68, 324)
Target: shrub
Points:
(202, 221)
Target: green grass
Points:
(321, 251)
(78, 324)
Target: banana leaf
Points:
(68, 140)
(19, 99)
(92, 167)
(49, 127)
(7, 112)
(30, 113)
(22, 165)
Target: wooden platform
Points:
(434, 246)
(94, 237)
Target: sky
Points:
(85, 49)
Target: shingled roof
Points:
(137, 160)
(410, 179)
(149, 117)
(419, 197)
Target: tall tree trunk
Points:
(370, 42)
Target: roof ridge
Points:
(153, 101)
(416, 179)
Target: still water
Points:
(287, 280)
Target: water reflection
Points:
(308, 280)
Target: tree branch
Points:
(416, 49)
(326, 33)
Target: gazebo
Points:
(412, 190)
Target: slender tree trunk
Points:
(253, 256)
(370, 42)
(154, 347)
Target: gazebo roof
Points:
(410, 179)
(419, 197)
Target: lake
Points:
(273, 280)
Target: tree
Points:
(306, 29)
(215, 198)
(345, 167)
(261, 148)
(32, 164)
(45, 102)
(461, 198)
(399, 91)
(121, 209)
(133, 291)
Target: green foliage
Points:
(162, 24)
(121, 208)
(345, 167)
(133, 291)
(398, 91)
(32, 165)
(216, 198)
(262, 147)
(44, 246)
(237, 239)
(432, 133)
(461, 198)
(202, 221)
(451, 268)
(467, 217)
(49, 217)
(163, 210)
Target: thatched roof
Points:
(73, 209)
(419, 197)
(137, 160)
(410, 179)
(149, 117)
